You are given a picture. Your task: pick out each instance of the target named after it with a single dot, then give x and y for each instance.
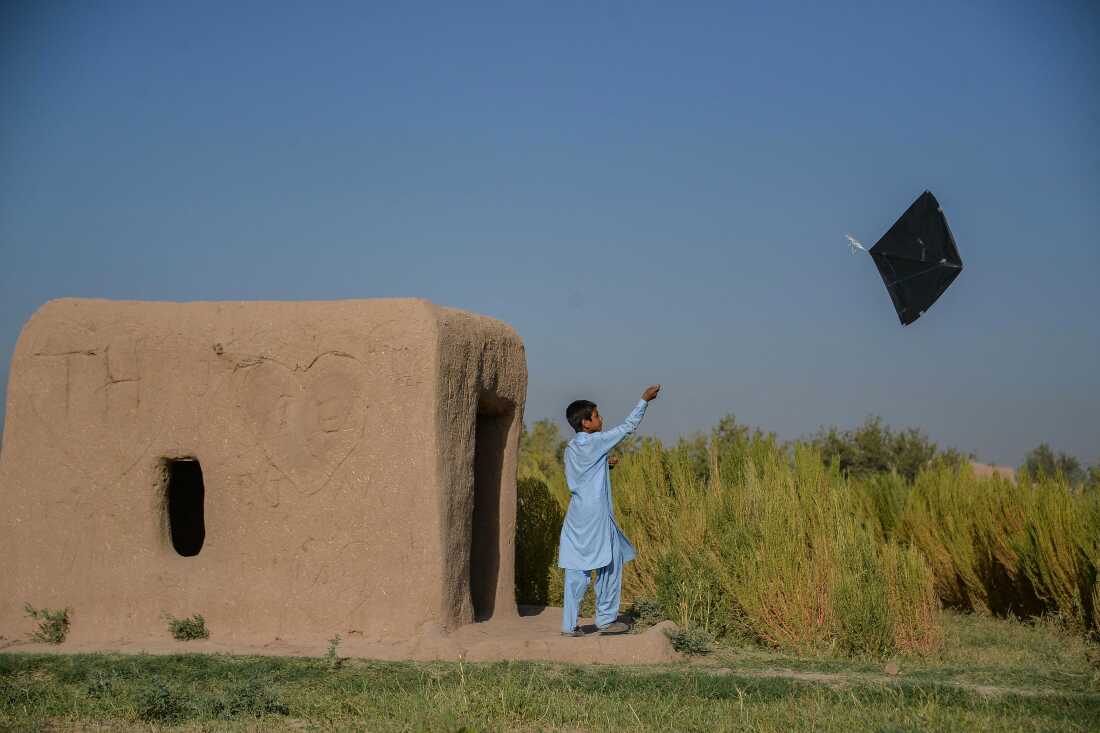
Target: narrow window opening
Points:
(184, 498)
(490, 443)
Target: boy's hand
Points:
(612, 461)
(651, 393)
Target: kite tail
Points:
(853, 244)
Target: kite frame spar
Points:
(895, 257)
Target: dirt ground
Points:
(533, 635)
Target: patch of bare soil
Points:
(534, 635)
(847, 679)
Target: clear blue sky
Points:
(646, 191)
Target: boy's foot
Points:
(615, 627)
(577, 631)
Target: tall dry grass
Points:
(1025, 549)
(744, 537)
(782, 552)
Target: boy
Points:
(590, 538)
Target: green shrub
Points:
(100, 684)
(1042, 462)
(862, 605)
(540, 457)
(850, 543)
(1095, 630)
(539, 518)
(693, 593)
(20, 692)
(806, 572)
(885, 496)
(156, 702)
(331, 657)
(875, 449)
(943, 513)
(186, 629)
(1028, 549)
(692, 641)
(787, 553)
(53, 626)
(1054, 547)
(250, 699)
(911, 597)
(646, 612)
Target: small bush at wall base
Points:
(646, 612)
(53, 626)
(333, 659)
(692, 640)
(186, 629)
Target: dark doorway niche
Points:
(184, 498)
(494, 419)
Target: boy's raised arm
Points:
(605, 441)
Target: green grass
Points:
(1039, 654)
(979, 651)
(994, 675)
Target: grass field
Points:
(990, 675)
(744, 537)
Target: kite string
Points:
(853, 244)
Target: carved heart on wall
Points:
(308, 420)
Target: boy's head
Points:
(584, 416)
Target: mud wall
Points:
(321, 432)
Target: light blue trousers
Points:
(609, 591)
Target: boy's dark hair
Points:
(579, 410)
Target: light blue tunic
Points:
(590, 527)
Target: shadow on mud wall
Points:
(490, 446)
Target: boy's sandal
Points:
(616, 627)
(577, 631)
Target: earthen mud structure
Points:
(289, 470)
